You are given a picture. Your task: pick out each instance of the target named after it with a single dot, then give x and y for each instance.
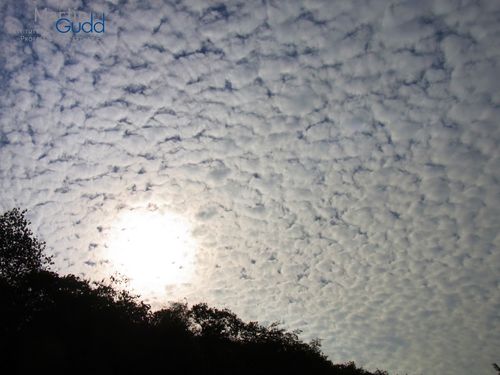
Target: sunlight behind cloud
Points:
(152, 249)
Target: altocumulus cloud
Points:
(339, 160)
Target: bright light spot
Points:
(153, 250)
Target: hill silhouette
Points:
(68, 325)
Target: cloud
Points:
(338, 161)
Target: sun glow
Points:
(153, 250)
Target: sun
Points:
(152, 249)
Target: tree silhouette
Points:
(65, 324)
(20, 251)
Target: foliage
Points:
(64, 324)
(20, 251)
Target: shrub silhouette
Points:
(68, 325)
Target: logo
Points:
(65, 25)
(79, 25)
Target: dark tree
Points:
(67, 325)
(20, 251)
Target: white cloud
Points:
(338, 161)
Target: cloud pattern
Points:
(338, 160)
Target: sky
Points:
(337, 161)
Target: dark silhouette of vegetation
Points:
(20, 252)
(67, 325)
